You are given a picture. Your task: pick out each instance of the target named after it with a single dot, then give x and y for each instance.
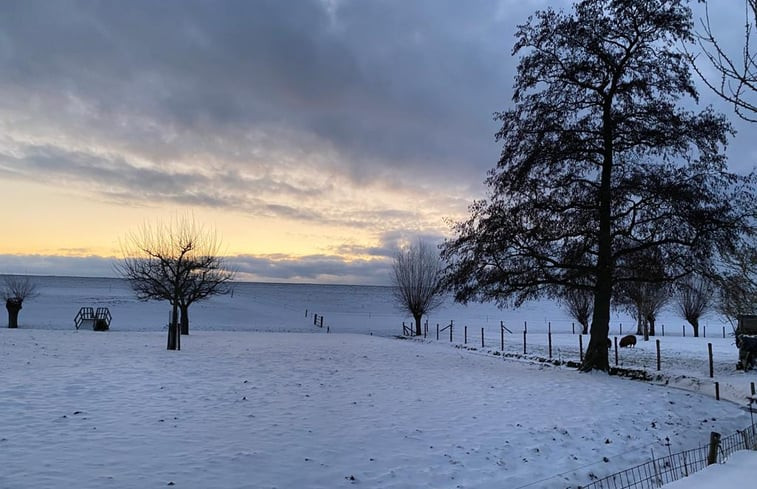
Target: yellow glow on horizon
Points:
(49, 221)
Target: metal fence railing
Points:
(672, 467)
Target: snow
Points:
(243, 405)
(738, 471)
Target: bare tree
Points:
(579, 304)
(737, 284)
(644, 301)
(15, 291)
(737, 73)
(177, 262)
(692, 299)
(417, 281)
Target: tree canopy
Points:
(601, 164)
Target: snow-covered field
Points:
(244, 406)
(263, 410)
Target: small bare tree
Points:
(177, 262)
(692, 299)
(644, 301)
(15, 291)
(418, 281)
(579, 303)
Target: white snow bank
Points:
(738, 472)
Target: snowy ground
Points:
(737, 472)
(244, 406)
(264, 410)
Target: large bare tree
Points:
(15, 291)
(693, 298)
(177, 261)
(417, 280)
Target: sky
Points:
(315, 136)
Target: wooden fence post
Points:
(704, 331)
(524, 341)
(573, 326)
(320, 318)
(712, 456)
(465, 335)
(549, 338)
(437, 331)
(723, 331)
(525, 326)
(482, 337)
(306, 313)
(709, 353)
(658, 354)
(683, 330)
(616, 351)
(581, 346)
(663, 330)
(621, 329)
(717, 391)
(502, 335)
(315, 319)
(751, 385)
(450, 331)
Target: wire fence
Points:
(675, 466)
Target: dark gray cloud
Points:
(410, 83)
(393, 86)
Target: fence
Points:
(670, 468)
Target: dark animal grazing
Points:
(628, 341)
(747, 345)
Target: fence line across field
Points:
(451, 334)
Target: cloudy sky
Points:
(315, 136)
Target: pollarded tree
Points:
(693, 298)
(417, 281)
(599, 163)
(578, 303)
(177, 262)
(15, 291)
(644, 301)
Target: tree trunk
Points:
(173, 329)
(13, 307)
(639, 324)
(418, 330)
(184, 318)
(651, 320)
(585, 327)
(597, 356)
(695, 325)
(646, 330)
